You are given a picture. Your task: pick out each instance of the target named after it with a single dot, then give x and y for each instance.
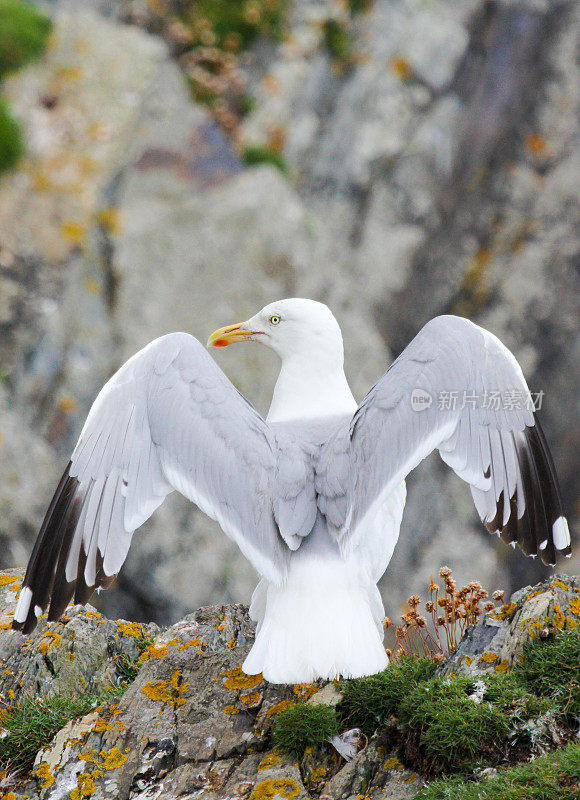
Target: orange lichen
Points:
(236, 679)
(109, 219)
(281, 706)
(50, 639)
(5, 580)
(73, 232)
(503, 666)
(504, 612)
(44, 774)
(271, 760)
(131, 629)
(402, 68)
(106, 759)
(305, 690)
(170, 691)
(536, 144)
(231, 710)
(575, 605)
(284, 787)
(467, 660)
(488, 658)
(191, 643)
(252, 699)
(85, 786)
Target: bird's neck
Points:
(310, 388)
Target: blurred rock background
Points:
(187, 161)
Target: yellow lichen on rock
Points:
(393, 763)
(251, 700)
(170, 691)
(6, 580)
(281, 706)
(271, 760)
(504, 612)
(50, 639)
(575, 605)
(284, 787)
(503, 666)
(488, 658)
(305, 690)
(85, 786)
(134, 629)
(231, 710)
(44, 774)
(237, 679)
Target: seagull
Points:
(313, 495)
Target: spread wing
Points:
(456, 388)
(168, 419)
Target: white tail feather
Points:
(325, 621)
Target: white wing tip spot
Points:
(561, 533)
(23, 605)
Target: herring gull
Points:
(314, 494)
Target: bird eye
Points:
(274, 319)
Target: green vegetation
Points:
(447, 730)
(24, 34)
(552, 669)
(32, 724)
(368, 702)
(126, 666)
(357, 6)
(303, 725)
(11, 146)
(256, 154)
(455, 724)
(337, 39)
(555, 776)
(234, 24)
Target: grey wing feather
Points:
(168, 419)
(458, 389)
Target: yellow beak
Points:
(228, 335)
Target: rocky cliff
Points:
(187, 722)
(427, 162)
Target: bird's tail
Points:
(323, 622)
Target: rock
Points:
(496, 643)
(193, 724)
(78, 654)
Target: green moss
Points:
(337, 39)
(555, 776)
(357, 6)
(235, 24)
(367, 702)
(24, 34)
(256, 154)
(11, 146)
(32, 724)
(303, 725)
(551, 669)
(442, 727)
(447, 731)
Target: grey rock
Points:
(496, 643)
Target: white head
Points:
(293, 328)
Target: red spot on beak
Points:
(220, 343)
